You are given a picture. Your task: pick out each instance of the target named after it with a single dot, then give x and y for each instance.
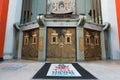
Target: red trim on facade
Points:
(0, 9)
(118, 16)
(3, 20)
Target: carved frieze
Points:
(60, 6)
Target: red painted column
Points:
(118, 17)
(3, 20)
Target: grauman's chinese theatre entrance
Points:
(61, 44)
(62, 35)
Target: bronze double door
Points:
(61, 44)
(30, 44)
(92, 44)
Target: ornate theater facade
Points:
(61, 31)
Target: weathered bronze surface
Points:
(30, 50)
(59, 50)
(92, 44)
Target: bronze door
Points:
(30, 44)
(92, 43)
(61, 44)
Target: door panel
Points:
(92, 43)
(30, 44)
(61, 45)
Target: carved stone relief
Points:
(60, 6)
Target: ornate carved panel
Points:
(61, 43)
(54, 37)
(30, 44)
(68, 37)
(61, 6)
(92, 44)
